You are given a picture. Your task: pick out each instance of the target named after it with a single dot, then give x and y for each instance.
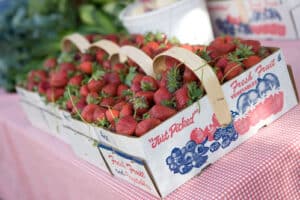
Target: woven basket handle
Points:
(205, 74)
(139, 57)
(81, 43)
(111, 49)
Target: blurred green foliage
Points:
(31, 30)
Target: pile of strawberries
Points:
(121, 97)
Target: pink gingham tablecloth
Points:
(35, 165)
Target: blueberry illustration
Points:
(243, 103)
(183, 150)
(234, 114)
(226, 142)
(200, 161)
(272, 79)
(228, 132)
(169, 160)
(201, 149)
(188, 157)
(218, 133)
(190, 146)
(253, 97)
(172, 166)
(235, 136)
(179, 160)
(263, 87)
(214, 146)
(176, 152)
(183, 169)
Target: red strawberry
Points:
(43, 87)
(59, 79)
(223, 45)
(107, 102)
(161, 112)
(254, 44)
(219, 74)
(85, 57)
(84, 90)
(112, 115)
(118, 106)
(189, 76)
(148, 95)
(37, 76)
(121, 89)
(99, 114)
(251, 61)
(126, 125)
(69, 104)
(112, 77)
(54, 94)
(112, 37)
(138, 39)
(68, 67)
(76, 80)
(148, 83)
(232, 70)
(198, 135)
(119, 68)
(88, 112)
(162, 95)
(106, 65)
(182, 97)
(171, 62)
(86, 67)
(221, 63)
(136, 82)
(101, 56)
(50, 63)
(95, 85)
(110, 89)
(126, 110)
(146, 125)
(79, 105)
(163, 81)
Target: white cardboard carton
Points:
(266, 19)
(182, 146)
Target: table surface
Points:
(35, 165)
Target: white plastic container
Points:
(187, 20)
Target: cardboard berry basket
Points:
(182, 146)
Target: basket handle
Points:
(205, 74)
(139, 57)
(110, 48)
(77, 40)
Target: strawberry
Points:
(67, 66)
(101, 56)
(118, 106)
(95, 85)
(182, 97)
(43, 87)
(232, 70)
(126, 125)
(219, 74)
(135, 85)
(50, 63)
(110, 90)
(112, 77)
(99, 115)
(223, 45)
(93, 98)
(76, 80)
(121, 89)
(119, 68)
(126, 110)
(79, 105)
(53, 94)
(161, 112)
(112, 115)
(222, 62)
(59, 79)
(251, 61)
(36, 76)
(88, 112)
(140, 105)
(162, 95)
(254, 44)
(148, 95)
(86, 67)
(84, 90)
(112, 37)
(69, 104)
(171, 62)
(146, 125)
(107, 102)
(148, 83)
(106, 65)
(138, 39)
(189, 76)
(86, 57)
